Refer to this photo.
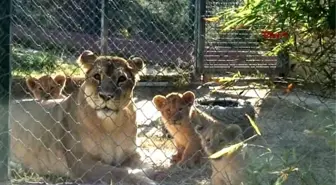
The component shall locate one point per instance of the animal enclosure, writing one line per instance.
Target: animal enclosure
(78, 81)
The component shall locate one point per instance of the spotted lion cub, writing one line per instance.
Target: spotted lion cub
(45, 87)
(174, 109)
(226, 170)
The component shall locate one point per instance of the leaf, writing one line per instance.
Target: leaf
(254, 125)
(289, 88)
(213, 19)
(281, 179)
(227, 151)
(226, 79)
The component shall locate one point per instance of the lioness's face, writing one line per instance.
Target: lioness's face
(109, 83)
(45, 87)
(175, 107)
(215, 137)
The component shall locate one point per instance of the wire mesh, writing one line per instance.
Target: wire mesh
(71, 122)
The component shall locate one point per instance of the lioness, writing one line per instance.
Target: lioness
(226, 170)
(45, 87)
(89, 136)
(175, 108)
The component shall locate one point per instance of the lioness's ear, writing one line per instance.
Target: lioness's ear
(60, 80)
(189, 97)
(136, 64)
(31, 83)
(86, 60)
(159, 101)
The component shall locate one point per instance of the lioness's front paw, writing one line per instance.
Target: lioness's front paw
(138, 180)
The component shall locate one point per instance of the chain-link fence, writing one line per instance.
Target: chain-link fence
(140, 116)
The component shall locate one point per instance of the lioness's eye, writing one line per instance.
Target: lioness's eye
(97, 77)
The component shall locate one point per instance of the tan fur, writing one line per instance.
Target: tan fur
(89, 136)
(174, 110)
(45, 87)
(226, 170)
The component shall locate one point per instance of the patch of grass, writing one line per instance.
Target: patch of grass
(20, 175)
(36, 63)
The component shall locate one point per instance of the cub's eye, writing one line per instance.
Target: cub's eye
(199, 128)
(180, 108)
(97, 77)
(208, 140)
(40, 88)
(122, 79)
(168, 111)
(221, 140)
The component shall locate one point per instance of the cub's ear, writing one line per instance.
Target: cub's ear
(136, 63)
(31, 83)
(199, 128)
(86, 60)
(234, 132)
(159, 101)
(189, 98)
(60, 80)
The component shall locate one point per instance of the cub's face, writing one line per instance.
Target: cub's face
(109, 82)
(214, 137)
(45, 87)
(175, 107)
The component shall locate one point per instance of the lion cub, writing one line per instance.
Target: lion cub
(226, 170)
(174, 109)
(45, 87)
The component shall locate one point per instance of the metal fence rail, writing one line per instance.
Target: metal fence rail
(5, 81)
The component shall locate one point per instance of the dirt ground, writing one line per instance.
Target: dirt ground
(284, 122)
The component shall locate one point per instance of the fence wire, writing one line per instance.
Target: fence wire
(139, 116)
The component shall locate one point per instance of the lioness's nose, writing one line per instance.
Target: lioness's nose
(105, 96)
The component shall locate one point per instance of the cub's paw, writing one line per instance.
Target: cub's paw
(186, 164)
(138, 180)
(159, 176)
(175, 159)
(156, 175)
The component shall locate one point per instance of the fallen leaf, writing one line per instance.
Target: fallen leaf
(227, 151)
(289, 88)
(254, 125)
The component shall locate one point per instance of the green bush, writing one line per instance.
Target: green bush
(23, 61)
(309, 28)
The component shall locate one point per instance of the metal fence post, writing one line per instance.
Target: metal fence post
(200, 6)
(192, 20)
(5, 77)
(283, 63)
(104, 28)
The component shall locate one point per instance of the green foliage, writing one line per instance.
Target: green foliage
(33, 61)
(150, 19)
(309, 24)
